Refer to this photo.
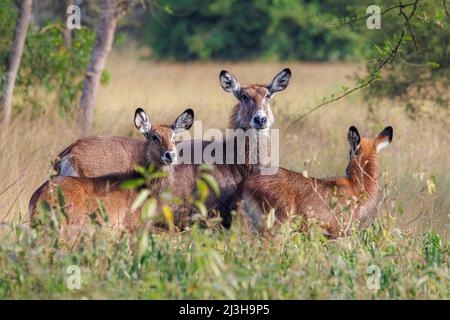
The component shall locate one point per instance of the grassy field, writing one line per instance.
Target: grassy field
(408, 244)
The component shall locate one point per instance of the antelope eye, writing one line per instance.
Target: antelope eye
(245, 98)
(155, 137)
(268, 96)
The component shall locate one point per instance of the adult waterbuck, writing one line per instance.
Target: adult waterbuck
(252, 114)
(335, 202)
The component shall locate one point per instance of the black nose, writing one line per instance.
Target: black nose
(263, 121)
(170, 156)
(260, 121)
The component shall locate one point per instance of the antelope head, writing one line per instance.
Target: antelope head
(253, 110)
(161, 138)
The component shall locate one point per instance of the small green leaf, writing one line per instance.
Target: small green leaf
(132, 183)
(206, 167)
(60, 197)
(141, 170)
(168, 215)
(333, 202)
(431, 184)
(201, 208)
(203, 190)
(408, 37)
(141, 197)
(431, 248)
(270, 219)
(44, 207)
(142, 243)
(149, 209)
(212, 183)
(157, 175)
(102, 211)
(168, 10)
(434, 65)
(105, 77)
(377, 47)
(439, 15)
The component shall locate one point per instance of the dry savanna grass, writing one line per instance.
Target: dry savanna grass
(316, 144)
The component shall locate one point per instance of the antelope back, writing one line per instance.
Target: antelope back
(105, 155)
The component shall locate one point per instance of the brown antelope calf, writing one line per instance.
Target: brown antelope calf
(82, 194)
(335, 202)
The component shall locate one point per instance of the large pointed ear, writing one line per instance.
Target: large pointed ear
(280, 82)
(142, 122)
(353, 139)
(184, 121)
(384, 138)
(229, 83)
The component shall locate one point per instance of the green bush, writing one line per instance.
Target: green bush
(233, 30)
(47, 66)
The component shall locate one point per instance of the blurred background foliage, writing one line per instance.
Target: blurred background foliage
(311, 30)
(234, 30)
(47, 65)
(420, 71)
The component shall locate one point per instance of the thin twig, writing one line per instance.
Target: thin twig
(12, 205)
(408, 25)
(444, 2)
(9, 186)
(366, 83)
(417, 65)
(373, 75)
(368, 15)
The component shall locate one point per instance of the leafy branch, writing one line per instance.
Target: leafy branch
(375, 74)
(356, 19)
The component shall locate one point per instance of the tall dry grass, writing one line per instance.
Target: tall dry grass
(318, 144)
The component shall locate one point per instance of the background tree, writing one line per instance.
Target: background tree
(236, 30)
(67, 32)
(15, 56)
(420, 68)
(113, 10)
(49, 75)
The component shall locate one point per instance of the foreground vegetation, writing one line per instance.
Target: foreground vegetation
(234, 264)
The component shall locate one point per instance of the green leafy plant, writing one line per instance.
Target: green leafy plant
(50, 73)
(50, 66)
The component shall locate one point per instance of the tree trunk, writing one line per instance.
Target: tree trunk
(114, 9)
(67, 32)
(15, 56)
